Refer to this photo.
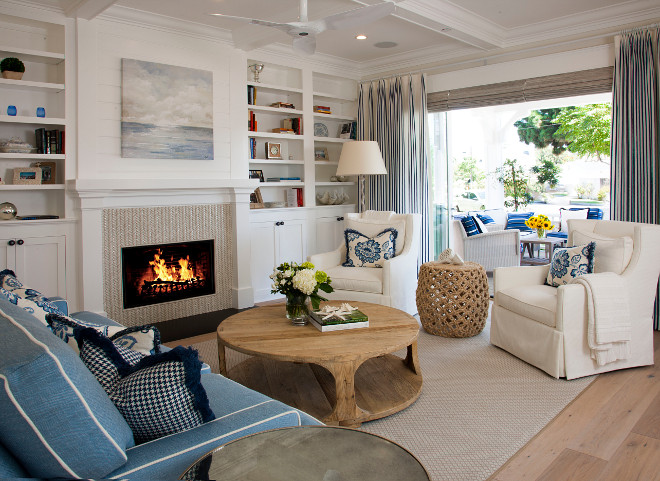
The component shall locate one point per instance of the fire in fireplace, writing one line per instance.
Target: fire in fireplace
(167, 272)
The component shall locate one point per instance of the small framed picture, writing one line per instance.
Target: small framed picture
(257, 174)
(48, 172)
(321, 153)
(27, 175)
(273, 150)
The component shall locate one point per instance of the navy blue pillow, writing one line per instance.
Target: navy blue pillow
(517, 221)
(470, 225)
(486, 219)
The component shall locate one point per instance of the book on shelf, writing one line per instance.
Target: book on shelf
(280, 130)
(282, 105)
(355, 320)
(291, 198)
(252, 121)
(253, 148)
(37, 217)
(299, 196)
(322, 109)
(296, 125)
(252, 95)
(290, 179)
(272, 179)
(49, 141)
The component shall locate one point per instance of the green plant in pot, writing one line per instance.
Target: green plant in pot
(12, 68)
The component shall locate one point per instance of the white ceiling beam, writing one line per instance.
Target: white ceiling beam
(88, 9)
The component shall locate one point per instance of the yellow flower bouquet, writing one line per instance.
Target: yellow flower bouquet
(540, 223)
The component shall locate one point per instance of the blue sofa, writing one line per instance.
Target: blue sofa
(56, 421)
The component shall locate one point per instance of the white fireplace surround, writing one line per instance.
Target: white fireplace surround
(95, 195)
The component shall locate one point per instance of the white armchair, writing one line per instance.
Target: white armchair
(500, 248)
(547, 326)
(392, 285)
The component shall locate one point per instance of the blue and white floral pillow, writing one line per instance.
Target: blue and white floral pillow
(570, 262)
(142, 339)
(38, 306)
(364, 251)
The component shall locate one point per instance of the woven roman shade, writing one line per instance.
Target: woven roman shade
(570, 84)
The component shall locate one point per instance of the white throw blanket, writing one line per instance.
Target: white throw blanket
(608, 325)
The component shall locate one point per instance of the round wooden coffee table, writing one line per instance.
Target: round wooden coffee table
(342, 377)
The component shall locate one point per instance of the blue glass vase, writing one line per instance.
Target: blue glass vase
(41, 112)
(11, 110)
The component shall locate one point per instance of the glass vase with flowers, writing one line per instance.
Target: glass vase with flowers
(540, 223)
(300, 282)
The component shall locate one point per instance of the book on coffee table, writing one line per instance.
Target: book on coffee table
(354, 320)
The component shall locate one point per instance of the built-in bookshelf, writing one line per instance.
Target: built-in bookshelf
(39, 105)
(304, 157)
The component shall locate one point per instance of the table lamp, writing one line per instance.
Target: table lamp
(361, 157)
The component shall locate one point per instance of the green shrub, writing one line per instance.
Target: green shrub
(12, 64)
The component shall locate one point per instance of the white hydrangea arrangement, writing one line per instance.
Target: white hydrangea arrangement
(292, 279)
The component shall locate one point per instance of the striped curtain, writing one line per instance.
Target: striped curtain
(635, 188)
(393, 112)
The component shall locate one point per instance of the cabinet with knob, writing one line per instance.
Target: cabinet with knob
(276, 236)
(39, 262)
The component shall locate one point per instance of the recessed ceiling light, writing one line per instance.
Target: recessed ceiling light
(361, 37)
(385, 44)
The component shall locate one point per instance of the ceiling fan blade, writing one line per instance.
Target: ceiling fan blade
(282, 26)
(305, 45)
(359, 16)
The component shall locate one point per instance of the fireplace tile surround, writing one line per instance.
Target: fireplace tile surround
(120, 213)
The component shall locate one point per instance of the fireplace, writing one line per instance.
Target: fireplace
(167, 272)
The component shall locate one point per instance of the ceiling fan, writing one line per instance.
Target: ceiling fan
(304, 31)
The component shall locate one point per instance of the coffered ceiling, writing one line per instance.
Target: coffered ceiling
(419, 32)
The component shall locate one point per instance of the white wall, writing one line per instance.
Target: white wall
(551, 64)
(101, 46)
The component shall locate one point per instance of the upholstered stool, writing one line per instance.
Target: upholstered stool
(452, 300)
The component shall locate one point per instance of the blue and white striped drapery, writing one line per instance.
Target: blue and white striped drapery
(635, 172)
(393, 112)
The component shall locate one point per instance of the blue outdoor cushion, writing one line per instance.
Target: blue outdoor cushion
(486, 219)
(470, 225)
(516, 220)
(55, 418)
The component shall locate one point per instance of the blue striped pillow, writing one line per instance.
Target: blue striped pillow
(486, 219)
(470, 226)
(517, 221)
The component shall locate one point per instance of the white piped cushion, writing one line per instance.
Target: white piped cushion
(361, 279)
(612, 254)
(538, 302)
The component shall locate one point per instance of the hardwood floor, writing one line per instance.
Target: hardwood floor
(610, 432)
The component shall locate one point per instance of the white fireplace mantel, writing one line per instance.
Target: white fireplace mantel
(97, 194)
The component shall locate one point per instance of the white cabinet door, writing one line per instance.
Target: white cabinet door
(272, 243)
(329, 233)
(39, 262)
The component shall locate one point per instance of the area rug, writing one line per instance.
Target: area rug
(479, 405)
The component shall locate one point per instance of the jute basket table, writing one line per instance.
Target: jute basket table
(452, 300)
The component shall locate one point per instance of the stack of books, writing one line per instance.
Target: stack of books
(322, 109)
(294, 197)
(280, 130)
(252, 122)
(253, 148)
(282, 105)
(252, 95)
(354, 320)
(49, 141)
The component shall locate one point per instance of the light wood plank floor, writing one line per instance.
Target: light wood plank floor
(610, 432)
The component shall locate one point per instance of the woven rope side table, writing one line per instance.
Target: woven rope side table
(452, 300)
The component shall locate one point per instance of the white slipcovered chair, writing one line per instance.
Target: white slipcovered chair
(498, 248)
(392, 285)
(547, 326)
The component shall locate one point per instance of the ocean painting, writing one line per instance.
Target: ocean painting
(166, 111)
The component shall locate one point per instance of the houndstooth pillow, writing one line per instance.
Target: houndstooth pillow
(143, 339)
(158, 395)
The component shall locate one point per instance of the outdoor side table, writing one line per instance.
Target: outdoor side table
(452, 300)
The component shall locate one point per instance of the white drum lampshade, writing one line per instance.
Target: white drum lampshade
(361, 157)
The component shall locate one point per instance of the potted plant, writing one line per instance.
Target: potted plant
(12, 68)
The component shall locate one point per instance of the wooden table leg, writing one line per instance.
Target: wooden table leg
(411, 359)
(345, 411)
(222, 360)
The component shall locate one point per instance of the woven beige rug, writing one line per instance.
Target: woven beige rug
(478, 406)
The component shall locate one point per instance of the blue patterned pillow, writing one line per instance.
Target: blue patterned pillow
(363, 251)
(157, 395)
(39, 307)
(470, 225)
(570, 262)
(516, 220)
(8, 280)
(142, 339)
(486, 219)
